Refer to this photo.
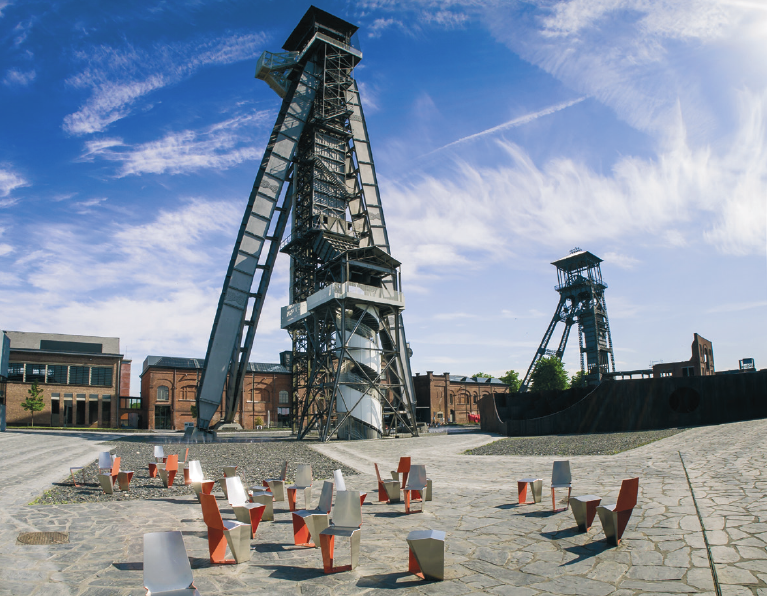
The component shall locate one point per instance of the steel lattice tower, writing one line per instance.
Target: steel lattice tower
(582, 301)
(351, 363)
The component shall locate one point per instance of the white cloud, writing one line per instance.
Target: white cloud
(220, 146)
(3, 5)
(480, 215)
(119, 77)
(737, 307)
(10, 180)
(378, 26)
(17, 78)
(620, 260)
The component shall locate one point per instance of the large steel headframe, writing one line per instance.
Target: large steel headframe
(351, 363)
(582, 301)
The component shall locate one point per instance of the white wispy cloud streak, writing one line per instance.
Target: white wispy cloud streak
(18, 78)
(119, 77)
(10, 180)
(220, 146)
(513, 123)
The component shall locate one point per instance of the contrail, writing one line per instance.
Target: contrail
(512, 123)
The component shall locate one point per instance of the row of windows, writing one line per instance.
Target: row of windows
(461, 398)
(60, 374)
(163, 394)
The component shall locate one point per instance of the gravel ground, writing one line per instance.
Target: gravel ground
(597, 444)
(254, 461)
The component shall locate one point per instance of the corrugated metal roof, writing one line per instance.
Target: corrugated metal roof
(199, 363)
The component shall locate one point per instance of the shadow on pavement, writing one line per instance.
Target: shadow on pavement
(388, 581)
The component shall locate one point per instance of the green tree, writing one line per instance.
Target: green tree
(482, 375)
(549, 374)
(578, 380)
(194, 410)
(511, 378)
(34, 403)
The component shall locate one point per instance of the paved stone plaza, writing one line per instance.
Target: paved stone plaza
(494, 546)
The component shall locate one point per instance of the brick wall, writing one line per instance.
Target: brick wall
(453, 400)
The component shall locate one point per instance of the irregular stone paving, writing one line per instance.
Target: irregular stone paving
(494, 545)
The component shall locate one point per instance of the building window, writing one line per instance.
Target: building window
(101, 376)
(284, 397)
(163, 393)
(35, 373)
(57, 373)
(78, 375)
(93, 409)
(16, 371)
(475, 398)
(451, 399)
(106, 410)
(188, 393)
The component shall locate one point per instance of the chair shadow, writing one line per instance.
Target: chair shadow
(175, 501)
(129, 566)
(389, 514)
(510, 506)
(293, 573)
(266, 547)
(547, 513)
(195, 533)
(200, 562)
(388, 581)
(586, 551)
(559, 534)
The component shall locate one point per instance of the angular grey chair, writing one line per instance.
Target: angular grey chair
(229, 472)
(307, 525)
(561, 478)
(244, 510)
(416, 482)
(259, 494)
(159, 453)
(105, 461)
(347, 518)
(166, 565)
(338, 478)
(584, 509)
(199, 483)
(277, 485)
(536, 486)
(304, 483)
(427, 554)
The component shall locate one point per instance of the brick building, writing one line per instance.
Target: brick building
(169, 386)
(701, 363)
(81, 378)
(451, 398)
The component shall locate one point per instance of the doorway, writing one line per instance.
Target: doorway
(162, 418)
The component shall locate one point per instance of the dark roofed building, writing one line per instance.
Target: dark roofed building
(169, 387)
(451, 398)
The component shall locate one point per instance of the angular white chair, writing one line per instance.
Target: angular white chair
(223, 532)
(561, 478)
(303, 483)
(168, 470)
(199, 483)
(536, 486)
(229, 472)
(159, 458)
(107, 480)
(167, 571)
(338, 478)
(388, 490)
(427, 554)
(347, 518)
(277, 485)
(416, 482)
(244, 510)
(614, 518)
(105, 461)
(307, 525)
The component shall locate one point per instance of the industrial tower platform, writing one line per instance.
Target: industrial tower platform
(350, 359)
(581, 300)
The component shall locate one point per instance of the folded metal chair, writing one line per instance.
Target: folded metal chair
(303, 482)
(259, 494)
(223, 532)
(244, 510)
(229, 472)
(168, 470)
(107, 481)
(536, 486)
(347, 518)
(427, 554)
(123, 479)
(277, 485)
(404, 469)
(561, 478)
(584, 509)
(159, 458)
(388, 490)
(416, 484)
(183, 467)
(338, 477)
(199, 483)
(166, 565)
(105, 462)
(614, 518)
(307, 525)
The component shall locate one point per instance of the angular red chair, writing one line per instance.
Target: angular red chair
(303, 483)
(415, 488)
(347, 519)
(404, 469)
(223, 532)
(168, 470)
(276, 486)
(244, 510)
(307, 525)
(389, 488)
(561, 478)
(614, 518)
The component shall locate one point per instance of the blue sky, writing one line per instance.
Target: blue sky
(505, 133)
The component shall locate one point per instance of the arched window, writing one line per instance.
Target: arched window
(451, 399)
(163, 393)
(475, 398)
